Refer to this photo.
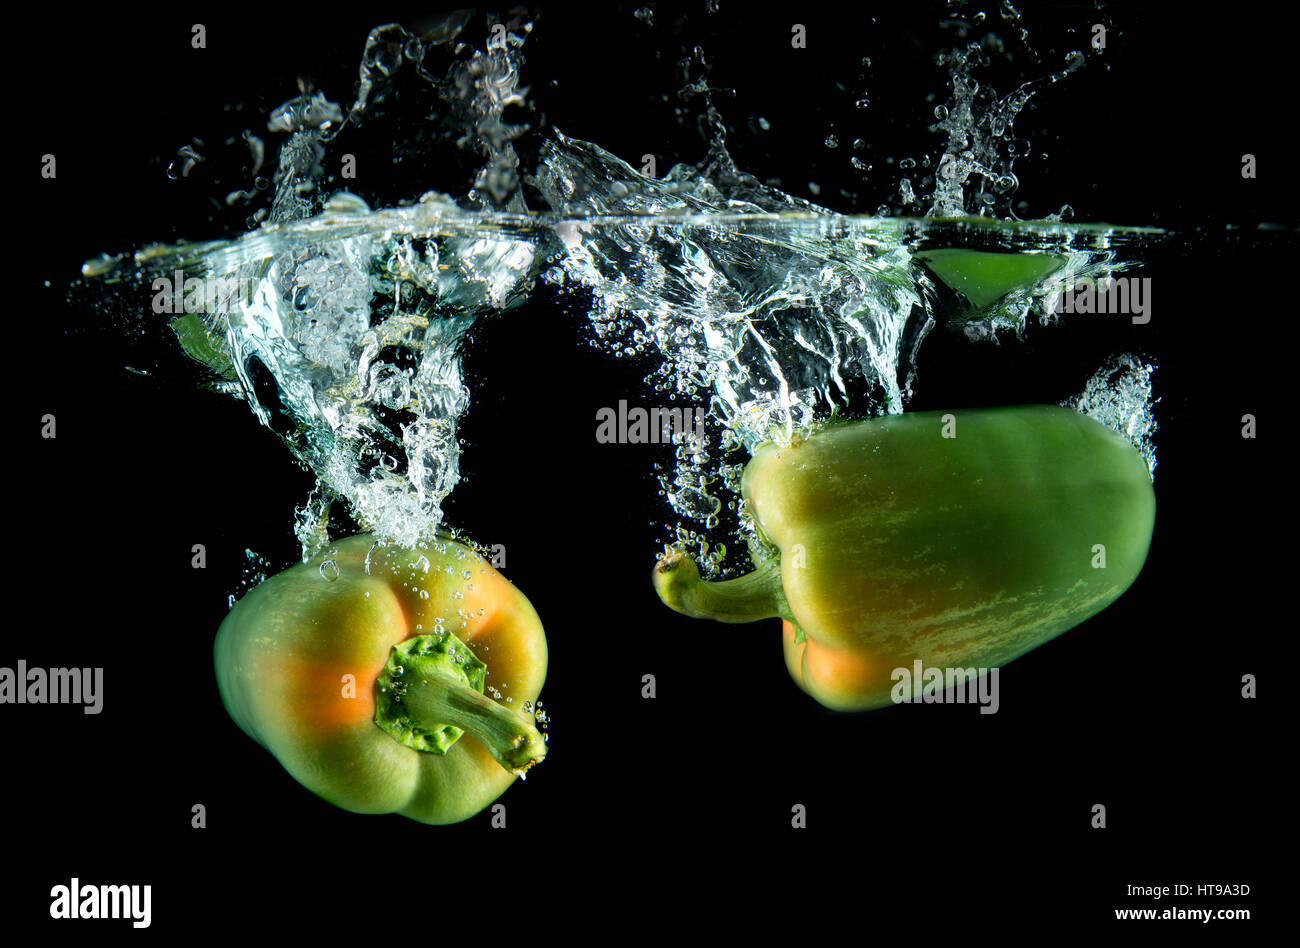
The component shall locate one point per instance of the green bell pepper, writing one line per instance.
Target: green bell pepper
(961, 539)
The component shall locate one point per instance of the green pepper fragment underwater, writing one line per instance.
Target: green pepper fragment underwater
(363, 671)
(962, 539)
(984, 277)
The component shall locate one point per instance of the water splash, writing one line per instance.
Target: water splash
(342, 326)
(1119, 395)
(975, 174)
(772, 311)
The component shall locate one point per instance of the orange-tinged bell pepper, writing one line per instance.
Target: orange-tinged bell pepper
(389, 680)
(960, 539)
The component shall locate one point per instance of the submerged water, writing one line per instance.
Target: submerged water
(343, 326)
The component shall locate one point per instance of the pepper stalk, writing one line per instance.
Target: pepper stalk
(748, 598)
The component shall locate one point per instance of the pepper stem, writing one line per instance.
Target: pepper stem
(748, 598)
(510, 738)
(431, 691)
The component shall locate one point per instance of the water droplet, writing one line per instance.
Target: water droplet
(329, 570)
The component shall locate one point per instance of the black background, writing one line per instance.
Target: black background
(648, 812)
